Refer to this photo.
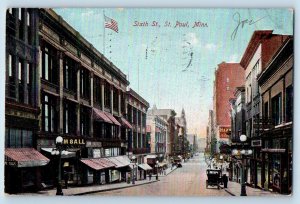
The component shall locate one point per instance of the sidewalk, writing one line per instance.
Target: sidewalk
(168, 171)
(100, 188)
(234, 189)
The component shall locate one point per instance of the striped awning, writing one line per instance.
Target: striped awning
(101, 116)
(24, 157)
(125, 123)
(120, 161)
(112, 118)
(145, 167)
(98, 164)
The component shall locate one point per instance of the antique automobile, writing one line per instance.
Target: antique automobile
(213, 177)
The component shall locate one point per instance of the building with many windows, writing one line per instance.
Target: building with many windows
(58, 84)
(138, 142)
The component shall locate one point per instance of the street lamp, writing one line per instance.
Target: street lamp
(243, 152)
(156, 169)
(58, 150)
(133, 168)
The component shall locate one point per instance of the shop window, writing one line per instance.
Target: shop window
(116, 100)
(18, 138)
(276, 109)
(289, 104)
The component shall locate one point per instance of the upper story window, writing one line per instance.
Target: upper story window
(97, 91)
(107, 97)
(289, 104)
(70, 77)
(49, 113)
(10, 10)
(116, 100)
(277, 109)
(20, 14)
(18, 138)
(84, 83)
(49, 70)
(84, 121)
(70, 118)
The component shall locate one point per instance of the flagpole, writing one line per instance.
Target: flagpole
(103, 32)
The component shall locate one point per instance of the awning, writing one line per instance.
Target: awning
(273, 150)
(100, 115)
(98, 164)
(68, 153)
(119, 161)
(24, 157)
(125, 123)
(112, 118)
(151, 156)
(145, 167)
(162, 164)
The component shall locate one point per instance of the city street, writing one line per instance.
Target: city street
(186, 181)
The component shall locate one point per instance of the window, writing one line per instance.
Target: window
(28, 18)
(84, 83)
(289, 104)
(10, 10)
(20, 14)
(17, 138)
(97, 91)
(276, 109)
(69, 118)
(266, 110)
(227, 79)
(9, 65)
(116, 100)
(49, 115)
(70, 77)
(107, 94)
(84, 121)
(49, 64)
(227, 88)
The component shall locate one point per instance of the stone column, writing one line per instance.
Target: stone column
(141, 129)
(16, 15)
(112, 99)
(119, 102)
(25, 66)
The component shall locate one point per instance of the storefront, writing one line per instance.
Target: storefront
(23, 165)
(277, 163)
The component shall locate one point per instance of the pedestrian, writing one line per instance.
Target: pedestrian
(150, 175)
(66, 178)
(225, 180)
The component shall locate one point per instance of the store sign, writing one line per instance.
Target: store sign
(96, 153)
(111, 144)
(69, 141)
(256, 143)
(223, 132)
(11, 163)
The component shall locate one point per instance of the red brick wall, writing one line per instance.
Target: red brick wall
(235, 74)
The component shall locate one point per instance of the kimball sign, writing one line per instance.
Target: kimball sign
(69, 141)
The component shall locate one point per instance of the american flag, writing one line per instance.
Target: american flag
(111, 24)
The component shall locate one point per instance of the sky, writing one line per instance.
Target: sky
(173, 66)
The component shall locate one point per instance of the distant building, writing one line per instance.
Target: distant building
(228, 76)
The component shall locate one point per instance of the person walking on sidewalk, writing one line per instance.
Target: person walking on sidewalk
(225, 180)
(150, 175)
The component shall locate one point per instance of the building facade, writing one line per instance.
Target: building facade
(228, 76)
(138, 142)
(276, 131)
(58, 84)
(259, 52)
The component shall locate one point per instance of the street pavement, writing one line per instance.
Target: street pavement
(186, 181)
(190, 180)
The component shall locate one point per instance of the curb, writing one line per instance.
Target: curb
(169, 172)
(229, 192)
(111, 189)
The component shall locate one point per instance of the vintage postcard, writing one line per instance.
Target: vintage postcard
(149, 101)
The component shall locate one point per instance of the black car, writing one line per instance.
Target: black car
(179, 165)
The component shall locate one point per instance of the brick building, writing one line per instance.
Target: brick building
(228, 76)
